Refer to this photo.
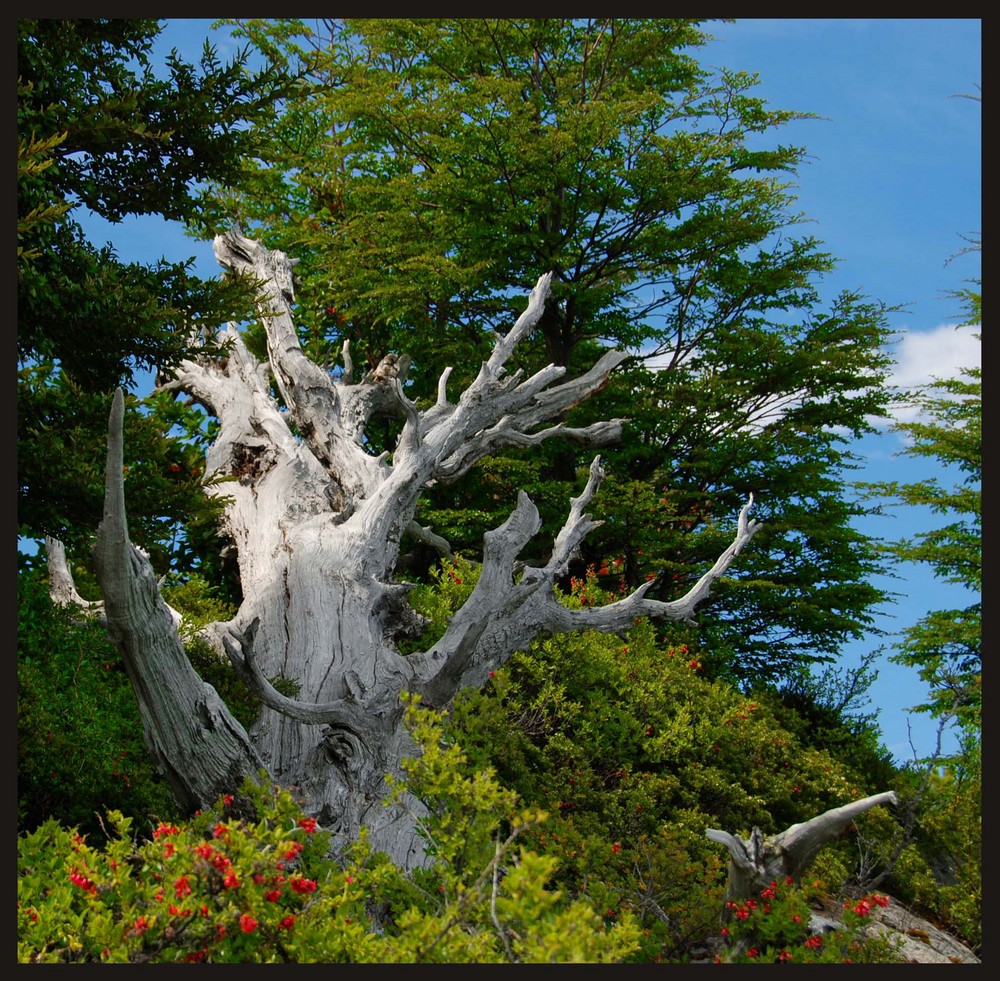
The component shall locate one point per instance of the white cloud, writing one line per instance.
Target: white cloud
(923, 355)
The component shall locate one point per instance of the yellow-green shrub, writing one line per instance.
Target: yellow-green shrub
(220, 889)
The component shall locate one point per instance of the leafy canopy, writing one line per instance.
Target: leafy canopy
(427, 170)
(100, 129)
(946, 645)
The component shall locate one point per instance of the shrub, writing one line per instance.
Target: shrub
(775, 928)
(221, 889)
(625, 742)
(79, 735)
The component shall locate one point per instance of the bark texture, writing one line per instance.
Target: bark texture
(755, 862)
(192, 736)
(316, 520)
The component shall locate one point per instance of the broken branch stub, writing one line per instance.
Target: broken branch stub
(755, 861)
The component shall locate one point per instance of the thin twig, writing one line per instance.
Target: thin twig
(501, 932)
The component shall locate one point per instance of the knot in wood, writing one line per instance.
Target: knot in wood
(343, 748)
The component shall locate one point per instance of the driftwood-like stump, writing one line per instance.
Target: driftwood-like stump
(755, 862)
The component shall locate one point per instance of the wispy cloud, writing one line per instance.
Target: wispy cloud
(923, 356)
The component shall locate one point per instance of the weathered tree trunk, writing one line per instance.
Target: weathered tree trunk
(317, 521)
(755, 863)
(194, 740)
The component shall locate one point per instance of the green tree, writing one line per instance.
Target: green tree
(937, 863)
(946, 645)
(430, 168)
(100, 129)
(79, 743)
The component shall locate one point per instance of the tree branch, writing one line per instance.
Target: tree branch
(62, 588)
(523, 326)
(505, 613)
(503, 435)
(428, 537)
(496, 410)
(619, 616)
(196, 742)
(451, 663)
(578, 524)
(310, 393)
(338, 712)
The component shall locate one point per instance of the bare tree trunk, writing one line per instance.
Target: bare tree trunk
(192, 736)
(317, 521)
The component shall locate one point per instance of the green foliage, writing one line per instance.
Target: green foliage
(634, 753)
(915, 879)
(80, 746)
(825, 709)
(33, 157)
(463, 809)
(716, 426)
(945, 646)
(551, 136)
(598, 149)
(217, 889)
(952, 835)
(99, 127)
(429, 170)
(939, 868)
(118, 139)
(464, 513)
(197, 600)
(775, 929)
(199, 604)
(62, 449)
(450, 585)
(579, 782)
(596, 701)
(221, 889)
(80, 743)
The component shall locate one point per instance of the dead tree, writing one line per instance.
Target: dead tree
(316, 520)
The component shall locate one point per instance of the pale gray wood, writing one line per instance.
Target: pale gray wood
(316, 520)
(194, 739)
(756, 861)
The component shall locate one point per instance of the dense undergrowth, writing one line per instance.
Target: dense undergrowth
(569, 800)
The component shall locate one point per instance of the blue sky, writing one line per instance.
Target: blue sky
(891, 184)
(893, 181)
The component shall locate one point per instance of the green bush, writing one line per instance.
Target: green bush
(219, 889)
(593, 763)
(199, 604)
(79, 735)
(950, 839)
(80, 745)
(774, 927)
(635, 754)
